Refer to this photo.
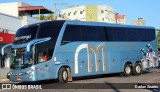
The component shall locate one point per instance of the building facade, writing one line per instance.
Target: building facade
(97, 13)
(120, 18)
(139, 22)
(11, 8)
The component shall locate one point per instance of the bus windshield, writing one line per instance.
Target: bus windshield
(21, 59)
(25, 34)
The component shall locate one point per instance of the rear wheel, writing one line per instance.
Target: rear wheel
(137, 70)
(63, 75)
(127, 70)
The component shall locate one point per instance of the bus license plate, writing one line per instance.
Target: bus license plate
(19, 79)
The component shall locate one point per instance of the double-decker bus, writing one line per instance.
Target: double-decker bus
(65, 49)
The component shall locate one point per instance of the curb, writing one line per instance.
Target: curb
(3, 80)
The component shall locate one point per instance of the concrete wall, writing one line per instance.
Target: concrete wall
(10, 23)
(29, 20)
(73, 13)
(91, 13)
(106, 14)
(9, 8)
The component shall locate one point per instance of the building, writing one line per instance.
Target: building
(120, 18)
(13, 16)
(98, 13)
(90, 13)
(22, 9)
(139, 22)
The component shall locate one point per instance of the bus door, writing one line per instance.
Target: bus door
(41, 60)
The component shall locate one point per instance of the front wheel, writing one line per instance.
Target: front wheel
(127, 70)
(63, 75)
(137, 70)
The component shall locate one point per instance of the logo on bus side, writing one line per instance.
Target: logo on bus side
(96, 54)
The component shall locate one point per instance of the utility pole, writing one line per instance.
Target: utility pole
(55, 9)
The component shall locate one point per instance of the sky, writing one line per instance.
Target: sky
(147, 9)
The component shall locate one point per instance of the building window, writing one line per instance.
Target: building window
(81, 12)
(69, 14)
(75, 12)
(102, 11)
(102, 19)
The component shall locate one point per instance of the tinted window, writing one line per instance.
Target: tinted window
(44, 51)
(150, 34)
(72, 33)
(130, 34)
(103, 36)
(25, 34)
(89, 33)
(133, 34)
(49, 30)
(117, 34)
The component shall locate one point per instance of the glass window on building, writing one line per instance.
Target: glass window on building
(102, 11)
(81, 12)
(75, 12)
(102, 19)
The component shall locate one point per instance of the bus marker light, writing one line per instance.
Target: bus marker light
(54, 58)
(57, 63)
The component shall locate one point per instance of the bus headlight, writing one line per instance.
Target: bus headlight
(30, 76)
(29, 71)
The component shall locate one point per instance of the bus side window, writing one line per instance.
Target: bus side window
(42, 57)
(72, 33)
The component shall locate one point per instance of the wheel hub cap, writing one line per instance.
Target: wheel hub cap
(128, 70)
(65, 75)
(138, 69)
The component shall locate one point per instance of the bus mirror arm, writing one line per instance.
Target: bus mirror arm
(37, 42)
(2, 49)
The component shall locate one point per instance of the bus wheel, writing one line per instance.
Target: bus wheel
(63, 75)
(127, 70)
(137, 70)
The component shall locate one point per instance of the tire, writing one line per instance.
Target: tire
(127, 70)
(63, 75)
(137, 70)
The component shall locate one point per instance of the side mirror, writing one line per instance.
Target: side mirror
(2, 49)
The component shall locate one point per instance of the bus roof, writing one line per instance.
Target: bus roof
(104, 24)
(77, 22)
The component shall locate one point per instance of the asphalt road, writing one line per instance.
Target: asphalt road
(104, 83)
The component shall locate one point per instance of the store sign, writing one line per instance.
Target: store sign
(1, 39)
(6, 38)
(120, 16)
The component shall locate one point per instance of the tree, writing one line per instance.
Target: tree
(42, 17)
(50, 17)
(158, 37)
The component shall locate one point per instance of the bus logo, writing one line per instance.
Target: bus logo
(96, 51)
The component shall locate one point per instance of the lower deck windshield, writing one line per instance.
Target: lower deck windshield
(21, 59)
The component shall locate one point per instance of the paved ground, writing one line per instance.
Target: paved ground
(152, 76)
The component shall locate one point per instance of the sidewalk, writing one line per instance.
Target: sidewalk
(4, 80)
